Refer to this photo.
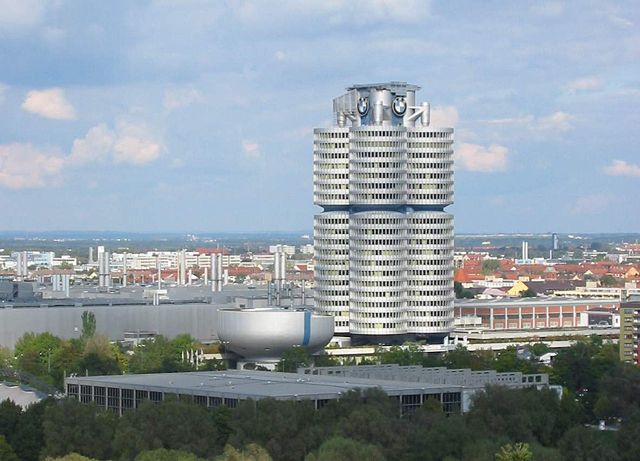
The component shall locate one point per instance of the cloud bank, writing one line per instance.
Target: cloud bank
(24, 166)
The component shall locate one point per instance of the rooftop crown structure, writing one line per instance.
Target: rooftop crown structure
(383, 243)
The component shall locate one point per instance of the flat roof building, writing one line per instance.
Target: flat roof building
(529, 313)
(409, 387)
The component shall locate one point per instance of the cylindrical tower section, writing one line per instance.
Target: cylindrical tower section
(430, 293)
(377, 166)
(216, 272)
(331, 248)
(429, 167)
(331, 166)
(377, 273)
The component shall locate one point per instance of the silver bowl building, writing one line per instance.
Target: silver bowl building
(264, 334)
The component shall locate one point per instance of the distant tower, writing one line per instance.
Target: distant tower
(182, 267)
(555, 242)
(124, 270)
(22, 265)
(383, 242)
(104, 270)
(525, 251)
(279, 268)
(91, 255)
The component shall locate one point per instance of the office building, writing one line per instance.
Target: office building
(383, 242)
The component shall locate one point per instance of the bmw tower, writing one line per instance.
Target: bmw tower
(383, 242)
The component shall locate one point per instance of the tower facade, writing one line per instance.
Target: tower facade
(383, 242)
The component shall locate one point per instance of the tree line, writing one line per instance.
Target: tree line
(503, 423)
(512, 423)
(48, 358)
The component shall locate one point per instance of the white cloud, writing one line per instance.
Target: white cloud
(251, 149)
(474, 157)
(522, 120)
(17, 14)
(179, 97)
(444, 116)
(49, 103)
(583, 84)
(557, 121)
(622, 168)
(280, 55)
(127, 143)
(338, 12)
(23, 166)
(135, 144)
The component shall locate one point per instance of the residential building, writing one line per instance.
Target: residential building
(630, 332)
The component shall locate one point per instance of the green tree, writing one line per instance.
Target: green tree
(157, 355)
(344, 449)
(70, 426)
(608, 280)
(462, 292)
(515, 452)
(162, 454)
(71, 457)
(65, 360)
(10, 413)
(323, 359)
(88, 325)
(489, 266)
(408, 354)
(540, 349)
(628, 441)
(618, 390)
(251, 452)
(173, 425)
(28, 438)
(293, 359)
(460, 357)
(6, 452)
(445, 439)
(283, 428)
(528, 293)
(526, 415)
(6, 358)
(34, 353)
(583, 444)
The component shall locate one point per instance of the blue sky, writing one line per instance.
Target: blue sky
(194, 116)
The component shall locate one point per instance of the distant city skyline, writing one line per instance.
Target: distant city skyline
(197, 117)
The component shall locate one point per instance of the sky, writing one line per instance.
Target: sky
(198, 116)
